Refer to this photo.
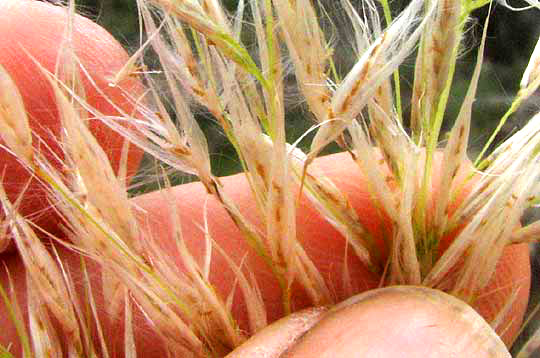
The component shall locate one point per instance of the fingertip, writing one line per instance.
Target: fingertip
(400, 321)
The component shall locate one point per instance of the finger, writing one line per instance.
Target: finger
(321, 241)
(148, 342)
(30, 32)
(390, 322)
(324, 245)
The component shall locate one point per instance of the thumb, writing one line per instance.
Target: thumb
(398, 321)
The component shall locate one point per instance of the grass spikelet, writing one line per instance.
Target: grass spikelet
(45, 275)
(195, 76)
(387, 132)
(14, 127)
(144, 282)
(175, 333)
(80, 306)
(244, 122)
(501, 194)
(311, 279)
(436, 56)
(94, 171)
(434, 70)
(67, 62)
(94, 233)
(397, 205)
(45, 341)
(375, 173)
(456, 149)
(280, 213)
(405, 265)
(208, 19)
(206, 295)
(337, 210)
(369, 72)
(385, 125)
(152, 282)
(254, 304)
(309, 51)
(520, 148)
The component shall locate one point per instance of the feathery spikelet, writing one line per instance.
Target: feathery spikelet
(46, 278)
(455, 152)
(370, 71)
(336, 208)
(44, 338)
(438, 49)
(14, 127)
(308, 50)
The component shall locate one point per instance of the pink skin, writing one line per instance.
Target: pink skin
(322, 243)
(410, 322)
(32, 30)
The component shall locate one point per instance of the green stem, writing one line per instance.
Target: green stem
(433, 136)
(19, 326)
(515, 104)
(397, 86)
(273, 59)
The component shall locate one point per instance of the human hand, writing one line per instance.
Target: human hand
(323, 244)
(392, 324)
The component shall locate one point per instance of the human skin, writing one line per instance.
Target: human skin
(33, 31)
(322, 243)
(395, 321)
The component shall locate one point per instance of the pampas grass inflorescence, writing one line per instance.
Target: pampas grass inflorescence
(205, 62)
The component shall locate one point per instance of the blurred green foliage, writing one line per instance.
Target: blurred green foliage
(117, 16)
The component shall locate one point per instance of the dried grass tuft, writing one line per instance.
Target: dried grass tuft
(204, 62)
